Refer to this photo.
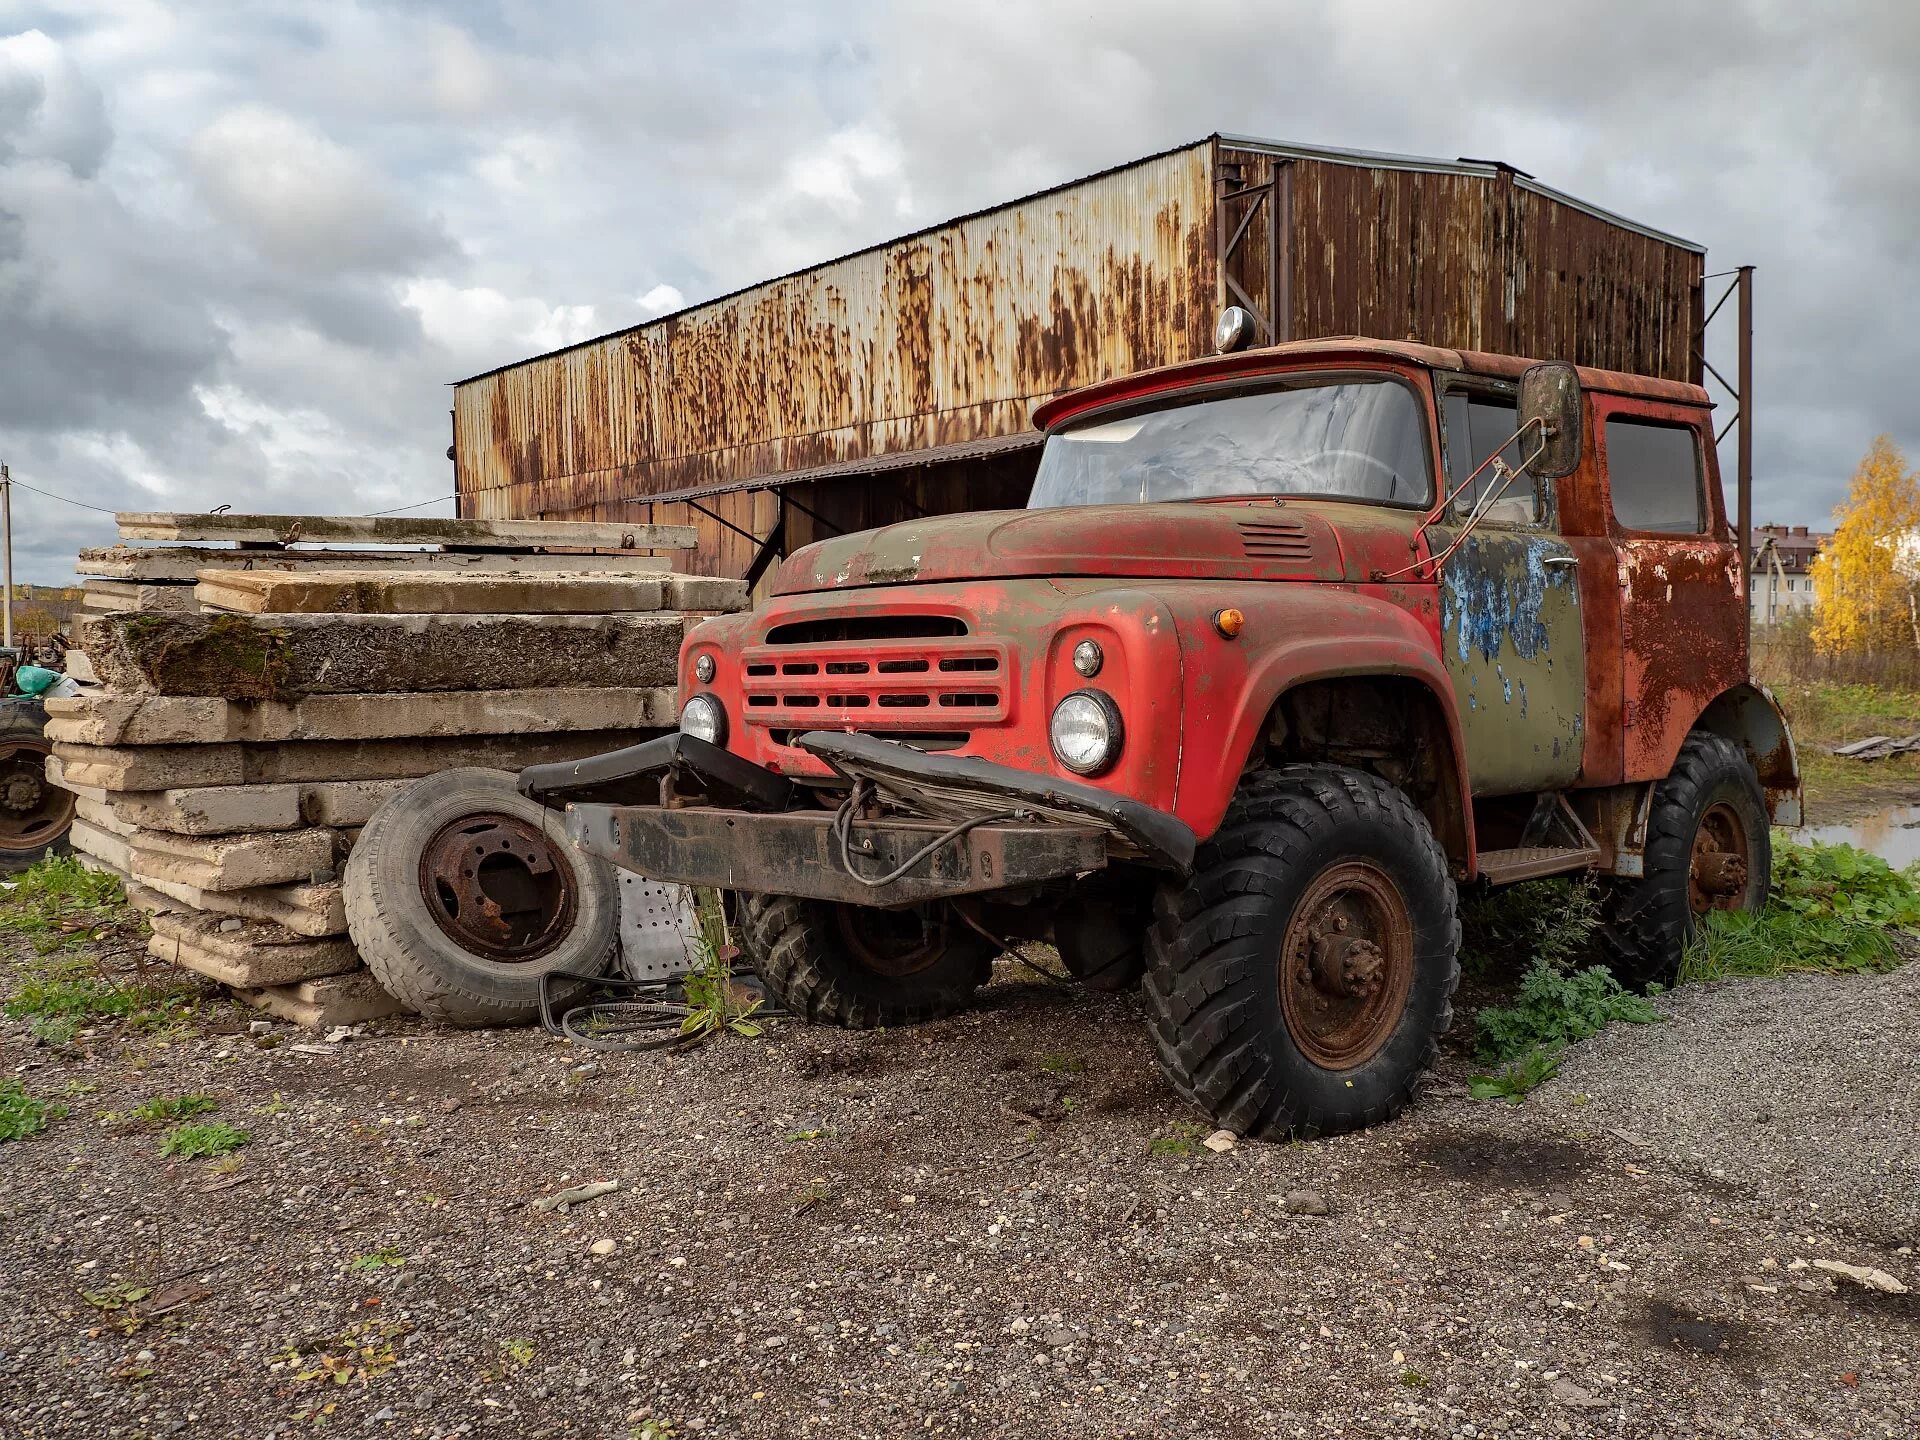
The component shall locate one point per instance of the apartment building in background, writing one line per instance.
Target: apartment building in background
(1775, 593)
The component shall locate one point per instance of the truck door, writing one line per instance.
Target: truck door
(1683, 620)
(1509, 610)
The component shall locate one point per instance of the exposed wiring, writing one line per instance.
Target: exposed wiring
(842, 830)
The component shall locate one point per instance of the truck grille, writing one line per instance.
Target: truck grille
(852, 685)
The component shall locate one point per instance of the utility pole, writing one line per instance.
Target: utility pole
(6, 542)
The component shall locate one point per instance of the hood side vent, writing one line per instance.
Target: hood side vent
(1277, 539)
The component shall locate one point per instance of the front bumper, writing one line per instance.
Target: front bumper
(679, 809)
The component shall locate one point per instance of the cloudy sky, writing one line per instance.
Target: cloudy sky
(245, 244)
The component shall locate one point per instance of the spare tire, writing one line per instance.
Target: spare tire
(461, 894)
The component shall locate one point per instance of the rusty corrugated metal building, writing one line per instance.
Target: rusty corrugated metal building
(898, 381)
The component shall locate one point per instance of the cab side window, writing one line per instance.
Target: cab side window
(1654, 472)
(1478, 427)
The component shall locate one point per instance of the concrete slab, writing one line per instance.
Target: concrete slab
(111, 850)
(403, 530)
(706, 592)
(335, 1000)
(175, 599)
(80, 668)
(180, 719)
(185, 562)
(231, 862)
(285, 657)
(209, 810)
(242, 958)
(152, 767)
(359, 592)
(318, 760)
(315, 910)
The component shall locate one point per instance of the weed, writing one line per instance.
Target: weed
(198, 1139)
(810, 1196)
(1063, 1064)
(714, 1002)
(59, 902)
(1831, 908)
(359, 1354)
(1536, 1067)
(387, 1257)
(163, 1108)
(116, 1302)
(1183, 1138)
(274, 1107)
(795, 1137)
(59, 996)
(22, 1114)
(1413, 1379)
(1549, 922)
(1553, 1007)
(54, 1030)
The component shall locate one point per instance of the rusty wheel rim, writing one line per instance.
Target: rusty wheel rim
(1717, 873)
(892, 943)
(34, 812)
(1346, 965)
(498, 888)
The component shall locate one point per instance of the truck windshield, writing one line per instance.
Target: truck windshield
(1360, 439)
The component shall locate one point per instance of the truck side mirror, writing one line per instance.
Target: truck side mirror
(1550, 397)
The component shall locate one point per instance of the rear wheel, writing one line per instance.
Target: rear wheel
(1708, 848)
(861, 967)
(1299, 983)
(35, 814)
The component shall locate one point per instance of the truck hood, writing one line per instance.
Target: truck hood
(1259, 540)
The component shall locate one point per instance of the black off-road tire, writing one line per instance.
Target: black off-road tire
(1100, 930)
(1646, 923)
(799, 949)
(1215, 967)
(414, 958)
(24, 718)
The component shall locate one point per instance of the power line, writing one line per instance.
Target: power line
(64, 499)
(417, 505)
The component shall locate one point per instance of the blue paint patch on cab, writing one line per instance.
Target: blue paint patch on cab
(1487, 600)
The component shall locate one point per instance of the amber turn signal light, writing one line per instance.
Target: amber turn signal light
(1229, 622)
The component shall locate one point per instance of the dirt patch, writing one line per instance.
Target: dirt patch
(1477, 1157)
(1677, 1327)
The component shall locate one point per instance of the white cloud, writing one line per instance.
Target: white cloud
(481, 327)
(49, 110)
(662, 299)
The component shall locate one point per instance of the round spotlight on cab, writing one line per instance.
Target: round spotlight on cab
(702, 718)
(1088, 657)
(1233, 329)
(1085, 731)
(703, 668)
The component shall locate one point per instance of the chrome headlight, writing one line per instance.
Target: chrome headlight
(703, 667)
(1085, 731)
(702, 718)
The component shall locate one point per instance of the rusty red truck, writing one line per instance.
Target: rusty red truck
(1288, 644)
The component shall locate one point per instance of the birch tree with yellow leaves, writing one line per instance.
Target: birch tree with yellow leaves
(1866, 577)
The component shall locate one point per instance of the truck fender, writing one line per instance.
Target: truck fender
(1750, 716)
(1297, 637)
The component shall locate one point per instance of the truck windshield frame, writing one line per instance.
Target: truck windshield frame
(1362, 436)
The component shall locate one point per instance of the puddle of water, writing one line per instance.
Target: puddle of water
(1893, 834)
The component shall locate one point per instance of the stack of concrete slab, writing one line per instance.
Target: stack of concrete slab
(254, 703)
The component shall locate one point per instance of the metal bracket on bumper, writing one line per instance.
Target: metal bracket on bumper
(678, 809)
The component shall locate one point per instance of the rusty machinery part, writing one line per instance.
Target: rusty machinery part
(499, 886)
(860, 967)
(1708, 848)
(462, 894)
(1346, 964)
(35, 814)
(1299, 984)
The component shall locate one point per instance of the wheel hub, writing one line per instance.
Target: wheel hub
(23, 791)
(498, 887)
(33, 813)
(1717, 875)
(1346, 964)
(892, 943)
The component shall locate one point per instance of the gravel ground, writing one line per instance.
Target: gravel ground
(969, 1229)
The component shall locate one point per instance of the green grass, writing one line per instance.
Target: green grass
(59, 903)
(387, 1257)
(201, 1139)
(22, 1114)
(1183, 1140)
(164, 1108)
(1832, 908)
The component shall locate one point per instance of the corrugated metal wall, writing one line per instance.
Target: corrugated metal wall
(948, 335)
(955, 333)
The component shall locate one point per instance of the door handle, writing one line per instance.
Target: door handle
(1561, 560)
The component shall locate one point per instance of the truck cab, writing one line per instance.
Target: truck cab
(1287, 644)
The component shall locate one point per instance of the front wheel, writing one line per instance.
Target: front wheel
(1708, 848)
(1298, 984)
(859, 967)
